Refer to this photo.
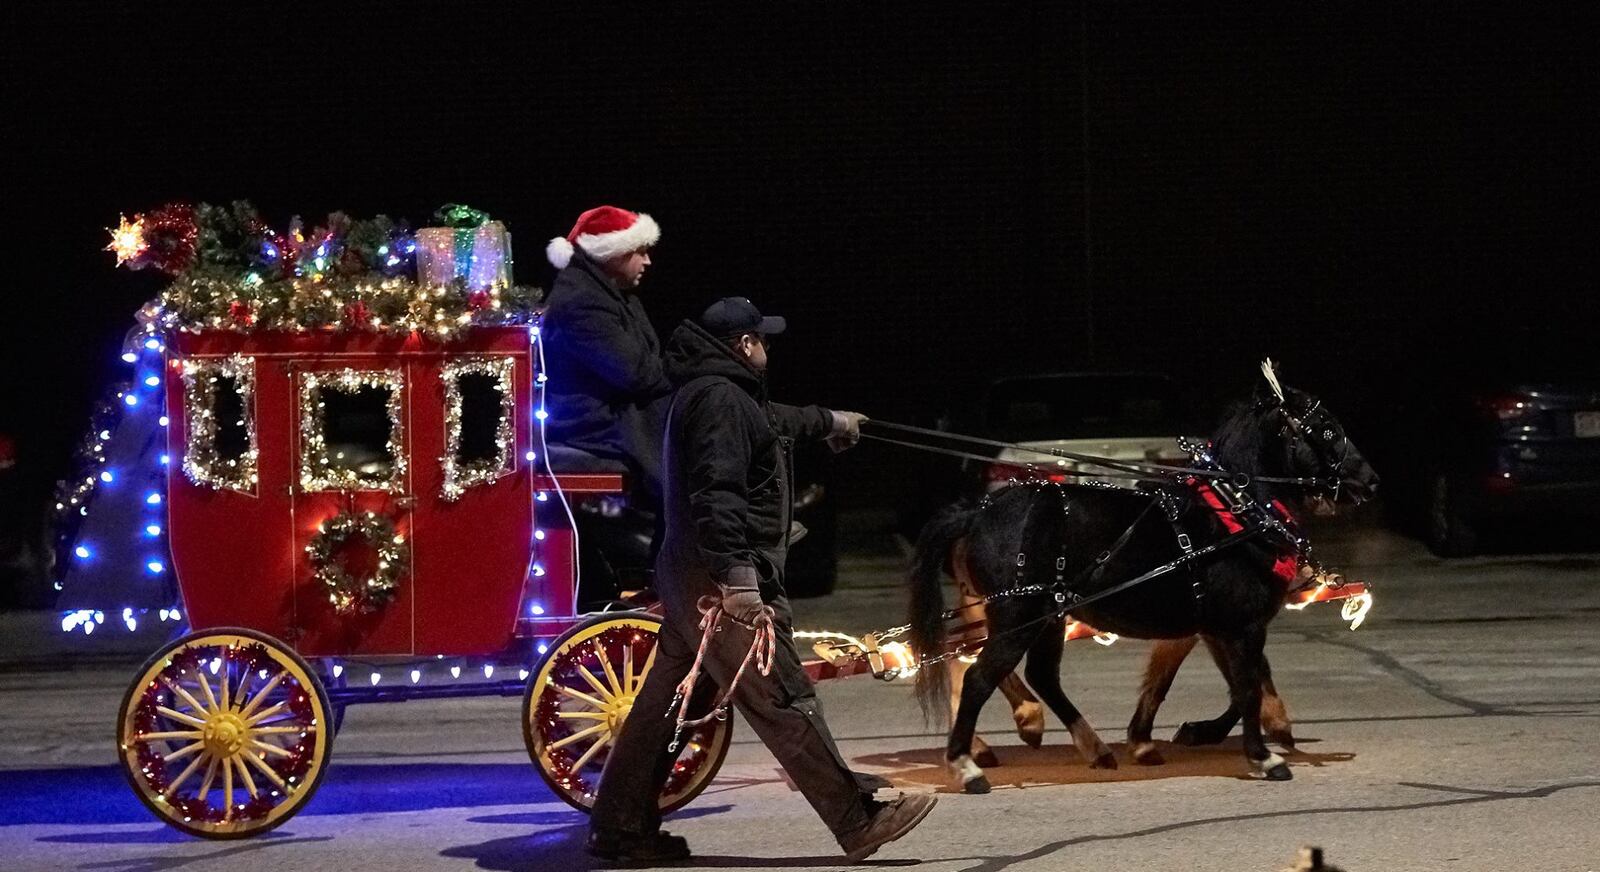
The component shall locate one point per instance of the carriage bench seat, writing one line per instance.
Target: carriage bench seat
(579, 472)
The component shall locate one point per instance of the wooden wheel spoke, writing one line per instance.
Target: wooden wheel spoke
(276, 731)
(223, 680)
(577, 695)
(227, 790)
(266, 713)
(187, 697)
(579, 735)
(180, 717)
(168, 736)
(611, 674)
(582, 716)
(244, 775)
(211, 776)
(260, 695)
(244, 681)
(589, 754)
(205, 687)
(649, 661)
(183, 752)
(172, 786)
(255, 760)
(269, 748)
(594, 682)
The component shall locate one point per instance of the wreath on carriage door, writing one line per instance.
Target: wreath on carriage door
(356, 588)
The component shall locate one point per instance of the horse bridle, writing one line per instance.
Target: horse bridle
(1298, 432)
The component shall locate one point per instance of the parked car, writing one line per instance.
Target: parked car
(1118, 415)
(1470, 458)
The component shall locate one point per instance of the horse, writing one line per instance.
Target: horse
(1224, 588)
(1161, 666)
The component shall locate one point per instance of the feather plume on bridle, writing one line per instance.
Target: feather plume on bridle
(1270, 371)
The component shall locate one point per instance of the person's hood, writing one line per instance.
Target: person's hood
(692, 352)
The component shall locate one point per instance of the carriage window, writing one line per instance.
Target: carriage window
(351, 431)
(219, 405)
(480, 424)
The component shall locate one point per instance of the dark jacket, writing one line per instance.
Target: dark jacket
(726, 456)
(604, 364)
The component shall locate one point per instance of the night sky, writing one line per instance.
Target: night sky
(932, 198)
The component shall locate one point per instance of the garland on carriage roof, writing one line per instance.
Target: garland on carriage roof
(232, 271)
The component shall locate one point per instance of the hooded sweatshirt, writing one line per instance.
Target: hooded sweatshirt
(727, 456)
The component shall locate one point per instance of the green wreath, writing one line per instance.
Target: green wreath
(348, 593)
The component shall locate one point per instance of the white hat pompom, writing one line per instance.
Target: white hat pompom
(559, 251)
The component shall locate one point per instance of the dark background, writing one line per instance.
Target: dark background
(934, 198)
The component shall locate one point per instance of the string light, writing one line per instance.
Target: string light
(127, 239)
(460, 475)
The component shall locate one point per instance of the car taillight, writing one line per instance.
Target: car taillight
(1506, 407)
(1000, 473)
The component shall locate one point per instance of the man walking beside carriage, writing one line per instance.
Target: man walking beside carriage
(727, 507)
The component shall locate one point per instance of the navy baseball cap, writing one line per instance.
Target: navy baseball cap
(734, 316)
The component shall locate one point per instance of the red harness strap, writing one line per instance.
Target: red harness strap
(1288, 562)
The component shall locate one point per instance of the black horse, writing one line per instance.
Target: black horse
(1079, 540)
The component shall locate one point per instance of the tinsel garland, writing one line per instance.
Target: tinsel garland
(200, 459)
(74, 492)
(368, 303)
(347, 593)
(234, 272)
(318, 471)
(459, 475)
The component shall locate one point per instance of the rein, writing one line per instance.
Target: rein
(762, 650)
(1126, 468)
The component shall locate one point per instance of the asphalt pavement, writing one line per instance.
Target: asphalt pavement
(1459, 729)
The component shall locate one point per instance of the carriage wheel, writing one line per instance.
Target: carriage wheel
(579, 698)
(224, 734)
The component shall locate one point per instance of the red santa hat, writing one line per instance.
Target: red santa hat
(604, 232)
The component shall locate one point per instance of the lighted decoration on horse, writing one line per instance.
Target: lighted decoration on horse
(1215, 554)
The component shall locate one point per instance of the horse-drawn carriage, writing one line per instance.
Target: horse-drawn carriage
(361, 507)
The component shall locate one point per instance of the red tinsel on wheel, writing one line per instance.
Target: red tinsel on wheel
(170, 236)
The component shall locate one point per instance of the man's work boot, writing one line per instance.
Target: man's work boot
(891, 821)
(658, 847)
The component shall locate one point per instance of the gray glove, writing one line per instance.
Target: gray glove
(846, 430)
(741, 596)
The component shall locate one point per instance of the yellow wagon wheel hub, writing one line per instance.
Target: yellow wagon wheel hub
(225, 734)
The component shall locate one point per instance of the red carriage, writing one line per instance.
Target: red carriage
(339, 535)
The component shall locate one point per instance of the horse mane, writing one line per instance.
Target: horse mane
(1238, 439)
(1241, 445)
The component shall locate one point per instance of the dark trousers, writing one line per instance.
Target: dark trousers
(781, 707)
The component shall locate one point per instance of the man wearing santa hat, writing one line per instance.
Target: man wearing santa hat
(606, 393)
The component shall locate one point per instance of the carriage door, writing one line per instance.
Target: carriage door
(472, 549)
(353, 591)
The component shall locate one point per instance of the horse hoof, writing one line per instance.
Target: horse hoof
(1106, 760)
(1148, 757)
(1280, 772)
(1283, 738)
(977, 785)
(1033, 739)
(986, 759)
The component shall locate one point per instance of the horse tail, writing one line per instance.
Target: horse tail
(926, 618)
